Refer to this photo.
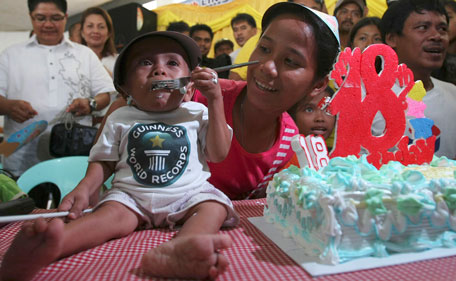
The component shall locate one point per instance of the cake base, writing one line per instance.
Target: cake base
(294, 250)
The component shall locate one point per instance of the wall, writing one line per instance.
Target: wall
(10, 37)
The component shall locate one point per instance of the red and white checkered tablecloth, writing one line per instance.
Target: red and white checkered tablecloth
(252, 257)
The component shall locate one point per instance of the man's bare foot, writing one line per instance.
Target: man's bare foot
(188, 257)
(37, 244)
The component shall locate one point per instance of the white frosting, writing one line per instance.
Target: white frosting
(350, 209)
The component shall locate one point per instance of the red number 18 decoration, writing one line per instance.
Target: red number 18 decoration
(363, 94)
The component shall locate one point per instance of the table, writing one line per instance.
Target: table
(252, 257)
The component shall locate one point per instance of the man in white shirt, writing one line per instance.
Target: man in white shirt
(420, 40)
(44, 77)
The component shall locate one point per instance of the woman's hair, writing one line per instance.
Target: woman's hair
(360, 24)
(326, 47)
(109, 47)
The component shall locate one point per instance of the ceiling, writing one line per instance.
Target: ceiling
(14, 13)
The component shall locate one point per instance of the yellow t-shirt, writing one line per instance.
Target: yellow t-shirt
(244, 55)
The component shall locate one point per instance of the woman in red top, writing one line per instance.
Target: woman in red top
(296, 51)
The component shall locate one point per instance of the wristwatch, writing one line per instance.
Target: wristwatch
(92, 104)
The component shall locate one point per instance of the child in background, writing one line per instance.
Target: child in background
(223, 46)
(158, 150)
(311, 120)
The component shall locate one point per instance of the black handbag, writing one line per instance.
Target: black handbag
(71, 139)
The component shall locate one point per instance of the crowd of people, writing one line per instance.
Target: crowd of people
(205, 125)
(46, 77)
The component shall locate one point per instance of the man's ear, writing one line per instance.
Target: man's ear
(319, 86)
(366, 11)
(390, 39)
(190, 91)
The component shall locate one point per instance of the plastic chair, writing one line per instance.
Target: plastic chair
(64, 172)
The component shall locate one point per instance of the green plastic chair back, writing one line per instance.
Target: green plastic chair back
(64, 172)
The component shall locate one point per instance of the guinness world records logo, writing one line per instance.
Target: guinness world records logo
(157, 153)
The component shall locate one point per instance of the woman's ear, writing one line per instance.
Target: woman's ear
(319, 86)
(190, 91)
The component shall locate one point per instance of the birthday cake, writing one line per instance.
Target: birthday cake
(397, 197)
(350, 209)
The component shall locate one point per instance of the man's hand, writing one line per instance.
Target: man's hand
(79, 107)
(20, 111)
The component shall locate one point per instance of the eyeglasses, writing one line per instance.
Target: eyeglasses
(39, 18)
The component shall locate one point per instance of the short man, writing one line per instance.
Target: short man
(45, 77)
(348, 13)
(418, 31)
(318, 5)
(244, 27)
(203, 35)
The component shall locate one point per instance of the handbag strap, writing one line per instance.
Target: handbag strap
(66, 118)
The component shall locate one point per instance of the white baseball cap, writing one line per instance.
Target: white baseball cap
(314, 15)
